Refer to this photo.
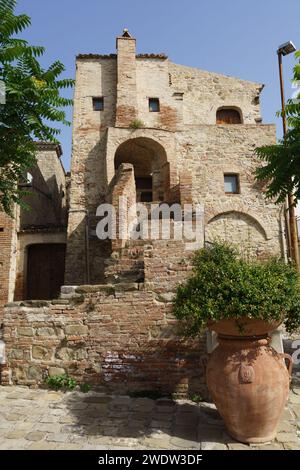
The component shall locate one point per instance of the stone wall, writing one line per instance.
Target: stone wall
(123, 337)
(47, 191)
(246, 218)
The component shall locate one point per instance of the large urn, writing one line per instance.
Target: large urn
(248, 380)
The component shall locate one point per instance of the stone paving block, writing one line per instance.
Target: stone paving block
(58, 437)
(100, 440)
(186, 432)
(6, 426)
(42, 445)
(49, 419)
(238, 446)
(163, 409)
(163, 425)
(68, 419)
(286, 426)
(287, 414)
(291, 446)
(143, 404)
(268, 446)
(24, 426)
(99, 399)
(161, 416)
(85, 421)
(48, 427)
(296, 389)
(184, 443)
(14, 444)
(95, 447)
(287, 437)
(211, 433)
(15, 434)
(296, 410)
(294, 398)
(35, 436)
(53, 396)
(74, 429)
(79, 440)
(155, 443)
(186, 419)
(77, 406)
(213, 446)
(14, 417)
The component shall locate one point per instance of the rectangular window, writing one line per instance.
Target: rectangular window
(231, 183)
(98, 103)
(154, 105)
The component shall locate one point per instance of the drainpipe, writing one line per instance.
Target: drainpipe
(87, 244)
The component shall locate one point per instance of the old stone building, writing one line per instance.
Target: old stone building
(33, 241)
(154, 132)
(181, 128)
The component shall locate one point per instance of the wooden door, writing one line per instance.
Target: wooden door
(45, 271)
(228, 116)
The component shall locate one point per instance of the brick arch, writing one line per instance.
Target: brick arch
(145, 145)
(161, 141)
(246, 216)
(151, 169)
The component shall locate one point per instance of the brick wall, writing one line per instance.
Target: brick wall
(126, 108)
(122, 337)
(124, 187)
(7, 242)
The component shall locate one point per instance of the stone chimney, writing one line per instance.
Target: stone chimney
(126, 110)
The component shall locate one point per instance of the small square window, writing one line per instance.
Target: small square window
(154, 105)
(98, 104)
(231, 184)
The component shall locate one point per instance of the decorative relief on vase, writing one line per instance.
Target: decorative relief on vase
(246, 374)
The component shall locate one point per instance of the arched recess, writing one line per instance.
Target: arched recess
(151, 168)
(229, 115)
(237, 228)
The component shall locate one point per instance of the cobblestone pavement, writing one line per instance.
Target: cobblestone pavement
(42, 419)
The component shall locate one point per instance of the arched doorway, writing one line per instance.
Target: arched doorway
(45, 270)
(151, 169)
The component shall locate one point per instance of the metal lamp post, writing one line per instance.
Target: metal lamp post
(283, 50)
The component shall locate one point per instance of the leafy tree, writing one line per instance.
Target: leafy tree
(282, 160)
(33, 103)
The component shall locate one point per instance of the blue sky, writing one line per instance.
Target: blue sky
(233, 37)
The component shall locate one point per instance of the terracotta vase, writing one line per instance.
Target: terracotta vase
(243, 326)
(249, 384)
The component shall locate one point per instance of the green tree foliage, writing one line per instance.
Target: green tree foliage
(33, 103)
(282, 160)
(224, 285)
